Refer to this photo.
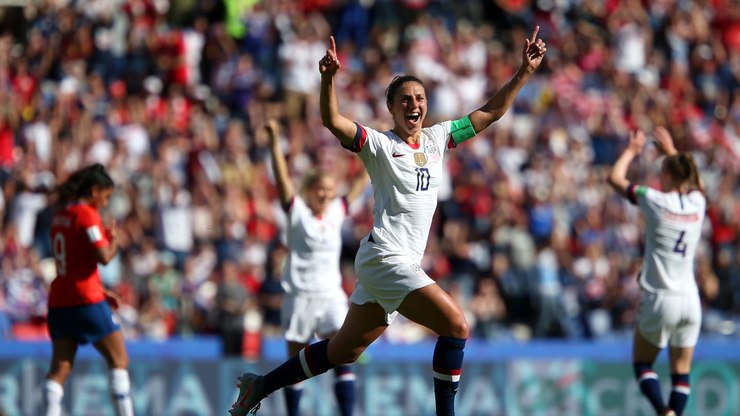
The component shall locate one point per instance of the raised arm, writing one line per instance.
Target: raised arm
(279, 166)
(618, 175)
(664, 141)
(532, 54)
(341, 127)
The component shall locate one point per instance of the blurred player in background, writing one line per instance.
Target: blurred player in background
(670, 309)
(405, 165)
(315, 303)
(79, 306)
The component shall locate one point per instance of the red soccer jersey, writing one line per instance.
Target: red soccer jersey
(76, 231)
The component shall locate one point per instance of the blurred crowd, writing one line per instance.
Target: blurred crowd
(171, 96)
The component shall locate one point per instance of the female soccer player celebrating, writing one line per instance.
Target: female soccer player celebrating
(405, 166)
(79, 311)
(315, 302)
(670, 309)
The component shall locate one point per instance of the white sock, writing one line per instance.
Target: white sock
(53, 393)
(120, 388)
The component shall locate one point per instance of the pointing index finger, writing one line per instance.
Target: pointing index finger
(534, 33)
(332, 44)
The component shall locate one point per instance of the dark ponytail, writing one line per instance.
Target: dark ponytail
(80, 184)
(682, 168)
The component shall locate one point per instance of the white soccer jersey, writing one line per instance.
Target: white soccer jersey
(314, 248)
(673, 228)
(405, 183)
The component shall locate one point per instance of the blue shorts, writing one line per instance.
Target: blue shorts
(85, 324)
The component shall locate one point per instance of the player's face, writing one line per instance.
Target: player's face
(101, 196)
(319, 196)
(409, 107)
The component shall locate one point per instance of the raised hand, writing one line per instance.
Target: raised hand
(329, 64)
(110, 228)
(664, 141)
(273, 130)
(534, 51)
(637, 141)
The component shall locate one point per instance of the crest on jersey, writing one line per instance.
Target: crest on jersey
(431, 147)
(420, 158)
(431, 150)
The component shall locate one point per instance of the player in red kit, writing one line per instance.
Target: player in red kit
(79, 305)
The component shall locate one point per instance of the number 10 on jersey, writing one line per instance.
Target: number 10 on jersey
(422, 179)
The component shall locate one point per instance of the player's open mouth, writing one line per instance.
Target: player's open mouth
(413, 117)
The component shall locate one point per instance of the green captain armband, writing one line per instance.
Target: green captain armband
(633, 191)
(462, 129)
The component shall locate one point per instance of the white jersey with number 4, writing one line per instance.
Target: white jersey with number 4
(314, 245)
(673, 228)
(405, 182)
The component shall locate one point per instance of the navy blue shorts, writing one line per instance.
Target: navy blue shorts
(85, 324)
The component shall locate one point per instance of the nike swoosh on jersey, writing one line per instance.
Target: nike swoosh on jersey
(398, 154)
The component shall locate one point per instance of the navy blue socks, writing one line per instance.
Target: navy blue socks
(649, 385)
(292, 398)
(344, 389)
(679, 393)
(447, 362)
(310, 361)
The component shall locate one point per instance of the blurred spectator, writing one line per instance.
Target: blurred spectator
(547, 292)
(175, 220)
(232, 302)
(271, 293)
(24, 287)
(24, 209)
(298, 60)
(153, 318)
(489, 310)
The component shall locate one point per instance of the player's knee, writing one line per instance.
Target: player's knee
(61, 370)
(681, 366)
(459, 328)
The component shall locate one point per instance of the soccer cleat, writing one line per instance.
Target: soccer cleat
(250, 394)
